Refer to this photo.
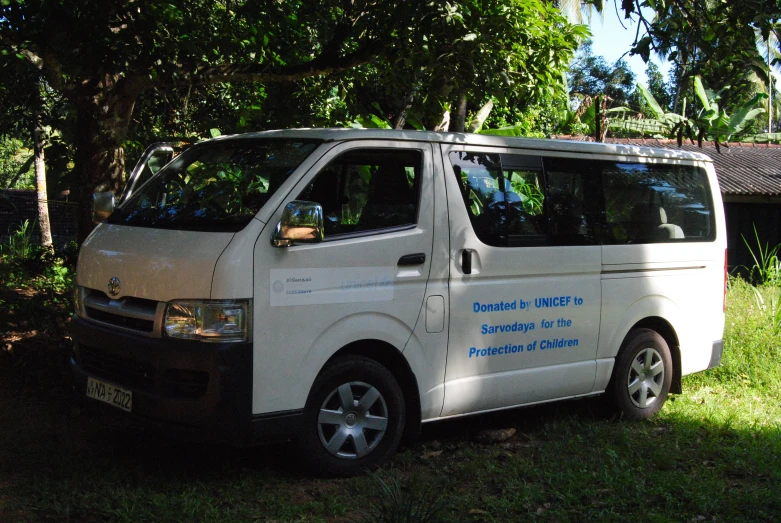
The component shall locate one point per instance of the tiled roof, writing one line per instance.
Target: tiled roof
(742, 168)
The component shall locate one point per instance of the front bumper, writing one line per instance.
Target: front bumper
(189, 387)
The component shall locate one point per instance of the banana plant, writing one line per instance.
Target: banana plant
(715, 122)
(711, 122)
(664, 123)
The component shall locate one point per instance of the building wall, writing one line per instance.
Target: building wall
(742, 217)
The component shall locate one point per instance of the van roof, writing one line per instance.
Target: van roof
(344, 134)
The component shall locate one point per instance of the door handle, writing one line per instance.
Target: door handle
(466, 261)
(413, 259)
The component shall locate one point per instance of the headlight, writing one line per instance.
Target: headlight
(209, 320)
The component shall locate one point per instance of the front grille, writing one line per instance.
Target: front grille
(120, 321)
(185, 383)
(123, 371)
(128, 312)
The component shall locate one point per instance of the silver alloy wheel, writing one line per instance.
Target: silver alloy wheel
(352, 420)
(646, 378)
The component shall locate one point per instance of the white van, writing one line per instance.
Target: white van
(341, 287)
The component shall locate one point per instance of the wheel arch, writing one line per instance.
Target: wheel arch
(655, 312)
(369, 334)
(392, 359)
(667, 331)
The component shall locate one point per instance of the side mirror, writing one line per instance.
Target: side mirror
(302, 222)
(103, 204)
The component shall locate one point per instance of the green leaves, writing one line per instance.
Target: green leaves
(479, 118)
(371, 121)
(643, 48)
(712, 122)
(512, 52)
(714, 39)
(705, 100)
(651, 101)
(505, 131)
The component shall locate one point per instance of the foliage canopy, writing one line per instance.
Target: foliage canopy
(103, 56)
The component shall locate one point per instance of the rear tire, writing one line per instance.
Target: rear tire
(354, 417)
(642, 375)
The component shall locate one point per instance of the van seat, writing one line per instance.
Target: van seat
(668, 231)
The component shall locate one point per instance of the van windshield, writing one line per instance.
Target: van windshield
(214, 186)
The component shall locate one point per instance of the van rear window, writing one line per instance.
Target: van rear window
(516, 200)
(655, 203)
(214, 186)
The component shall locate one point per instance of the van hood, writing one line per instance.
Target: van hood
(156, 264)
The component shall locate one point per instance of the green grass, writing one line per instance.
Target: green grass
(712, 454)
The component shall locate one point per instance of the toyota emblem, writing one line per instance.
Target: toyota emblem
(113, 286)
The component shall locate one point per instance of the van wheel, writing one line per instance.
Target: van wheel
(642, 376)
(354, 417)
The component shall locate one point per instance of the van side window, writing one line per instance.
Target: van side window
(574, 201)
(366, 190)
(504, 197)
(651, 203)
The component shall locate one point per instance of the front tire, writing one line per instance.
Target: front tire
(354, 417)
(642, 375)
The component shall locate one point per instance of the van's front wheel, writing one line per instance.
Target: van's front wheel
(642, 375)
(354, 417)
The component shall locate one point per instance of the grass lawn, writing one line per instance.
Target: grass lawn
(713, 453)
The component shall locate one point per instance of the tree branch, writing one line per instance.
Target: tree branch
(322, 65)
(43, 60)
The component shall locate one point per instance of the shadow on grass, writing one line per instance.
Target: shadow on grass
(568, 460)
(525, 419)
(571, 463)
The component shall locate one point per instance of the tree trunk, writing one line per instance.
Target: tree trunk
(40, 183)
(102, 123)
(100, 162)
(678, 81)
(680, 74)
(459, 118)
(400, 120)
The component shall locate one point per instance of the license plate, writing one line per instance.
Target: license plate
(110, 394)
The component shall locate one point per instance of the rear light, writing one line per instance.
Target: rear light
(724, 301)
